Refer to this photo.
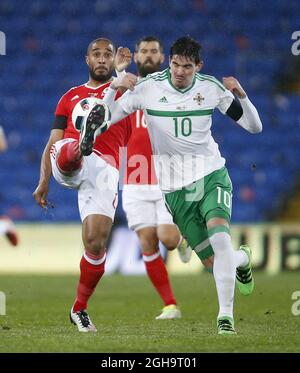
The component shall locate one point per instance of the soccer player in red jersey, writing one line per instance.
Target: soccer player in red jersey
(93, 171)
(142, 199)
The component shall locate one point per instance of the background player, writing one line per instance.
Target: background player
(7, 227)
(97, 199)
(178, 104)
(142, 199)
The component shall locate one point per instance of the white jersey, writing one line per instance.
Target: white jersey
(179, 123)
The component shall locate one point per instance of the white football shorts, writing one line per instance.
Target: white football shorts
(143, 211)
(96, 182)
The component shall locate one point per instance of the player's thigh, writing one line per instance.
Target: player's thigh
(186, 216)
(139, 213)
(98, 198)
(73, 181)
(217, 201)
(93, 202)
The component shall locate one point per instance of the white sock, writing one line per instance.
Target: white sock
(224, 271)
(241, 258)
(3, 227)
(179, 242)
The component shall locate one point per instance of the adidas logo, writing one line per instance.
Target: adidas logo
(163, 99)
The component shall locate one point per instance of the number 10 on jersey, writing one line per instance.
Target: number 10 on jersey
(183, 127)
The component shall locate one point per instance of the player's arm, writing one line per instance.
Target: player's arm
(117, 108)
(122, 60)
(57, 133)
(3, 142)
(242, 110)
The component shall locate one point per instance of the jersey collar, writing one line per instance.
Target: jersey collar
(177, 89)
(101, 85)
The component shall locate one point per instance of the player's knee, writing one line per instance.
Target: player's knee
(170, 242)
(95, 244)
(169, 237)
(149, 243)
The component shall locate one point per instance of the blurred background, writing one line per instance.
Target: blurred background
(46, 43)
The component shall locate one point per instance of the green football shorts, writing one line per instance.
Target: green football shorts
(192, 206)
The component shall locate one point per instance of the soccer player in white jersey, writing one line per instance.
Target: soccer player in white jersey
(142, 199)
(178, 104)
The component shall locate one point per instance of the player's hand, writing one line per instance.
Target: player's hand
(122, 59)
(128, 81)
(40, 195)
(234, 86)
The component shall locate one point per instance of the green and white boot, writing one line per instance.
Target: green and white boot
(225, 325)
(244, 277)
(184, 251)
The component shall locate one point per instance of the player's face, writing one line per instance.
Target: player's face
(183, 71)
(148, 58)
(100, 60)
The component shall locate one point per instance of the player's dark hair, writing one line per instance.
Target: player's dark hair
(148, 39)
(100, 39)
(187, 47)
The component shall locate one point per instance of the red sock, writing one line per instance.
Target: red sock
(69, 158)
(158, 275)
(91, 270)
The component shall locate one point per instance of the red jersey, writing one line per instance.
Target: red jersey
(140, 165)
(108, 143)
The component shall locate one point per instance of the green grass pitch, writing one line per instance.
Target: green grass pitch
(124, 308)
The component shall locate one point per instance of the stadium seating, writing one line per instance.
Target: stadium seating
(46, 43)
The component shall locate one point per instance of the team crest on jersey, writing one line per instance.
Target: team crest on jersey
(199, 98)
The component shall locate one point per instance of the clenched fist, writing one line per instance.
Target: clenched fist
(122, 59)
(234, 86)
